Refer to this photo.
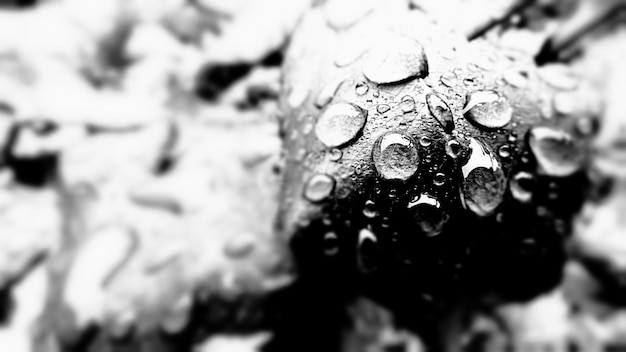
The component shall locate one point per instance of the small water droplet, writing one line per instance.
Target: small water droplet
(483, 180)
(564, 103)
(319, 187)
(516, 77)
(425, 141)
(504, 151)
(449, 79)
(369, 210)
(382, 108)
(395, 156)
(340, 123)
(367, 251)
(394, 59)
(335, 154)
(239, 246)
(586, 126)
(376, 94)
(453, 148)
(361, 88)
(407, 104)
(439, 179)
(559, 76)
(331, 244)
(522, 185)
(440, 111)
(488, 109)
(428, 214)
(556, 152)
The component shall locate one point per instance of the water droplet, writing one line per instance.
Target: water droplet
(556, 152)
(319, 187)
(559, 77)
(376, 94)
(504, 151)
(516, 77)
(425, 141)
(483, 180)
(335, 154)
(331, 244)
(407, 104)
(239, 246)
(564, 103)
(394, 59)
(327, 94)
(453, 148)
(395, 156)
(370, 209)
(382, 108)
(428, 214)
(522, 185)
(361, 88)
(586, 126)
(487, 109)
(449, 79)
(340, 123)
(439, 179)
(441, 111)
(367, 251)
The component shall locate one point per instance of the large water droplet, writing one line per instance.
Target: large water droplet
(483, 180)
(425, 141)
(441, 111)
(428, 214)
(407, 104)
(504, 151)
(522, 185)
(367, 251)
(395, 156)
(395, 59)
(439, 179)
(319, 187)
(556, 151)
(488, 109)
(340, 123)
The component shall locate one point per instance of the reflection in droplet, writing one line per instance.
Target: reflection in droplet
(440, 111)
(488, 109)
(340, 123)
(428, 214)
(522, 185)
(483, 180)
(395, 156)
(556, 152)
(367, 251)
(319, 187)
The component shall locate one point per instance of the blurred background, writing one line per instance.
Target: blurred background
(140, 162)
